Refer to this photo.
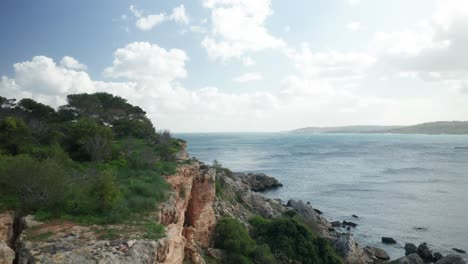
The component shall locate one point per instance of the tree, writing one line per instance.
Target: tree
(86, 140)
(15, 135)
(36, 110)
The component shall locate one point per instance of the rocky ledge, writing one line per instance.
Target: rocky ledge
(258, 182)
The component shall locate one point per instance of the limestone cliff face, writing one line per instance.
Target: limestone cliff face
(7, 255)
(188, 215)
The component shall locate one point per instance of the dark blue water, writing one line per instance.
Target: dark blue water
(394, 183)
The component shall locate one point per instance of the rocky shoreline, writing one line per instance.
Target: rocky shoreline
(201, 195)
(344, 241)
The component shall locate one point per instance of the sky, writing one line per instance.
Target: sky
(244, 65)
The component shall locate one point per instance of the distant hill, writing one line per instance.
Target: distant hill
(345, 129)
(433, 128)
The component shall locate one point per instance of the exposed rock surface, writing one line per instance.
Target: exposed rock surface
(7, 255)
(451, 259)
(7, 219)
(410, 248)
(425, 253)
(350, 249)
(410, 259)
(376, 253)
(258, 182)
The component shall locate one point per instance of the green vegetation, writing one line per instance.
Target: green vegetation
(293, 241)
(97, 159)
(283, 240)
(234, 237)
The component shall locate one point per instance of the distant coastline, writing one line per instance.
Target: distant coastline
(432, 128)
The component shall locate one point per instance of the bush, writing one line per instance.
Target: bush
(293, 241)
(31, 184)
(232, 236)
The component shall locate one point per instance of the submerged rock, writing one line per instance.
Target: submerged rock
(388, 240)
(349, 223)
(459, 250)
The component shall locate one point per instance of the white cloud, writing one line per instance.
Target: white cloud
(331, 65)
(238, 27)
(435, 49)
(353, 26)
(146, 23)
(149, 76)
(248, 77)
(145, 61)
(72, 63)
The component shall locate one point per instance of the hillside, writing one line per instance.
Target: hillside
(344, 129)
(432, 128)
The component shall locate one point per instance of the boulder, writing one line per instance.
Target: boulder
(258, 182)
(451, 259)
(377, 253)
(352, 253)
(437, 256)
(410, 248)
(425, 253)
(355, 216)
(410, 259)
(7, 255)
(388, 240)
(349, 223)
(317, 210)
(336, 223)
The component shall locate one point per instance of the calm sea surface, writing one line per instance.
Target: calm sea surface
(413, 188)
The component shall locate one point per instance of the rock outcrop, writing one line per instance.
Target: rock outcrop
(258, 182)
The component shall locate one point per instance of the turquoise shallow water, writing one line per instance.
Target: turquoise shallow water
(394, 183)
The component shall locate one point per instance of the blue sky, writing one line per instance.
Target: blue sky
(242, 65)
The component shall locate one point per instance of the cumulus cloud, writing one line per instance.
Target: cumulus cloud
(331, 65)
(238, 27)
(248, 77)
(143, 61)
(72, 63)
(145, 23)
(435, 49)
(150, 76)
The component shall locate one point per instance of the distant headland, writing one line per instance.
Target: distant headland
(431, 128)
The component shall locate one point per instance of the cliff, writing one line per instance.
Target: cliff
(201, 195)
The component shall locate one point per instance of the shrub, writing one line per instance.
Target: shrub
(293, 241)
(233, 236)
(32, 184)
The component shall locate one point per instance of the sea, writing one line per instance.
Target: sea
(413, 188)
